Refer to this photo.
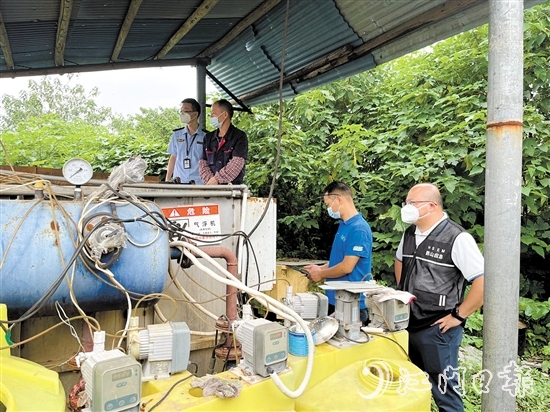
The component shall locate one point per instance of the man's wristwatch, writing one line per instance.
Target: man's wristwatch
(455, 314)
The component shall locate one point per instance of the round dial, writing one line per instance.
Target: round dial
(77, 171)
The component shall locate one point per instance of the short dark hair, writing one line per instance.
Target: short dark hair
(338, 188)
(226, 106)
(194, 105)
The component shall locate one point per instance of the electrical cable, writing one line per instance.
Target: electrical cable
(168, 392)
(392, 340)
(23, 342)
(190, 298)
(280, 131)
(49, 293)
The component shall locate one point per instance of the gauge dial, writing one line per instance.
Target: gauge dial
(77, 171)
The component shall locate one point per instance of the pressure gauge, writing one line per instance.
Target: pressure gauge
(77, 171)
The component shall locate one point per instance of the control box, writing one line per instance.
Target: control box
(391, 315)
(113, 381)
(265, 346)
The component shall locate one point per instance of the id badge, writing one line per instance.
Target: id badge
(187, 163)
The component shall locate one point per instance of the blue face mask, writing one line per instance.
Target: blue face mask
(215, 123)
(332, 213)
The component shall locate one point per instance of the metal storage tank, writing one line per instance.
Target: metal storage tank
(39, 238)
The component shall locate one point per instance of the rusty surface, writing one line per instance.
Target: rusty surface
(512, 124)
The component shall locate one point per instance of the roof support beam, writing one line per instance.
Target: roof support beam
(62, 30)
(240, 27)
(106, 66)
(125, 29)
(245, 108)
(201, 11)
(5, 44)
(346, 53)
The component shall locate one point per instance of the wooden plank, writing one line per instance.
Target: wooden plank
(201, 11)
(5, 45)
(125, 29)
(62, 30)
(48, 171)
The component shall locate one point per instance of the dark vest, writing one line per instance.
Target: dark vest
(220, 151)
(429, 273)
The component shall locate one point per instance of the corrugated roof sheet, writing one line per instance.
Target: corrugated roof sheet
(326, 39)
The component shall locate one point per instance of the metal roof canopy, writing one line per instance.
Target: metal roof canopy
(240, 41)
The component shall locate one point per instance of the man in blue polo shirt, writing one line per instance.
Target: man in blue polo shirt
(351, 253)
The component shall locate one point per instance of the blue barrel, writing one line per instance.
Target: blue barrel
(31, 260)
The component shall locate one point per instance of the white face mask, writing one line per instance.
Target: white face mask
(185, 117)
(411, 214)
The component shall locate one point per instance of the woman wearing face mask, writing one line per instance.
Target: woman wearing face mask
(351, 253)
(225, 149)
(185, 146)
(434, 261)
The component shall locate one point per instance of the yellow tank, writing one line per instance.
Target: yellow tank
(371, 376)
(25, 385)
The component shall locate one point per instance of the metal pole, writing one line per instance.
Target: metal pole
(201, 92)
(503, 204)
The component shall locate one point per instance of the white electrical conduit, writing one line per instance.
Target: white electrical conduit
(123, 290)
(240, 248)
(186, 294)
(273, 303)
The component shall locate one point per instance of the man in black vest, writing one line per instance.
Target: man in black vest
(225, 149)
(435, 261)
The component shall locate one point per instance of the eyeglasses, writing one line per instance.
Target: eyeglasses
(414, 202)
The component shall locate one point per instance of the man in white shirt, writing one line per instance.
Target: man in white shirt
(435, 261)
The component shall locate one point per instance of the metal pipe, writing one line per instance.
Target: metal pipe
(201, 92)
(68, 191)
(231, 264)
(503, 201)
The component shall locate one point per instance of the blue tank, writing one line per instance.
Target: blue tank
(31, 260)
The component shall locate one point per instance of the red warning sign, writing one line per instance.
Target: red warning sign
(187, 211)
(201, 222)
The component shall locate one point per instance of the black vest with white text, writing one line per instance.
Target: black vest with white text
(428, 272)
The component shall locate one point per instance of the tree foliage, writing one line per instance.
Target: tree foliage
(419, 118)
(53, 96)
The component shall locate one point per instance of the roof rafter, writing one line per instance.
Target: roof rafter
(240, 27)
(133, 8)
(201, 11)
(5, 44)
(65, 9)
(104, 66)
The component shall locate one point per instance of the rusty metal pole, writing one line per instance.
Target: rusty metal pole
(503, 203)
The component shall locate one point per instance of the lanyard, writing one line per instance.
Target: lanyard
(187, 145)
